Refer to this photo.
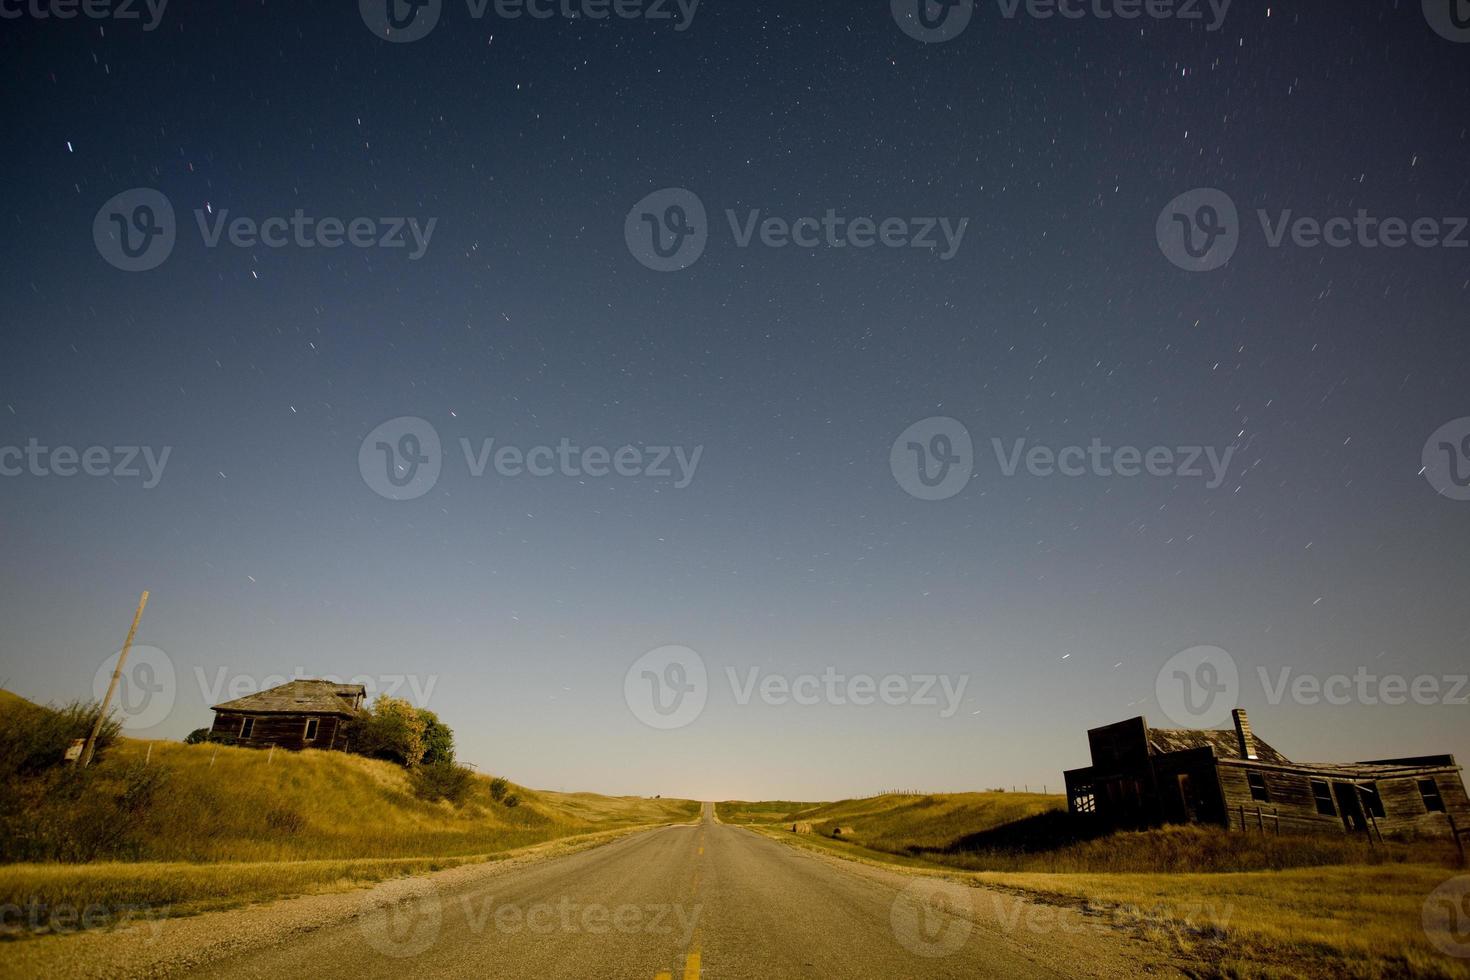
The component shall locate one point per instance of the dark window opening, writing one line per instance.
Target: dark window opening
(1259, 792)
(311, 724)
(1322, 793)
(247, 727)
(1432, 800)
(1372, 801)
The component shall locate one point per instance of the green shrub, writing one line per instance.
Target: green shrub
(206, 736)
(498, 788)
(391, 729)
(74, 814)
(442, 781)
(438, 739)
(512, 801)
(35, 738)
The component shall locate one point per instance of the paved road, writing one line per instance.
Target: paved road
(681, 903)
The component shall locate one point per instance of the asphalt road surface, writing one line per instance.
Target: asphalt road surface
(707, 900)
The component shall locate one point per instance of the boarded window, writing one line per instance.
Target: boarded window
(247, 727)
(1372, 802)
(1430, 791)
(1322, 793)
(1259, 792)
(311, 729)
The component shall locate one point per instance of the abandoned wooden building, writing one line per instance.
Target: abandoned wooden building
(1144, 777)
(303, 714)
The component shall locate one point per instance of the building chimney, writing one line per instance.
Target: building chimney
(1243, 734)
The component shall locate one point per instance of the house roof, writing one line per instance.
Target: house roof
(1225, 743)
(303, 697)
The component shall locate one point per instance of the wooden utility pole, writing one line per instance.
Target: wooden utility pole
(122, 658)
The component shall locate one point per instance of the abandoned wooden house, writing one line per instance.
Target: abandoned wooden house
(303, 714)
(1144, 777)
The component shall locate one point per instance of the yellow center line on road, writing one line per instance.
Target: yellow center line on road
(691, 965)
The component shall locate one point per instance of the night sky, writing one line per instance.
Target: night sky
(527, 319)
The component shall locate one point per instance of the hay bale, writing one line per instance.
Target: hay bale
(801, 827)
(842, 831)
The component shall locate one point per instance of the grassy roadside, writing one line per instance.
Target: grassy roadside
(224, 826)
(55, 897)
(1331, 920)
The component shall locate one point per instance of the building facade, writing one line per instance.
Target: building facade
(1144, 777)
(304, 714)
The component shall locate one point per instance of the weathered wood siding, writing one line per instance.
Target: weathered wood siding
(283, 731)
(1294, 803)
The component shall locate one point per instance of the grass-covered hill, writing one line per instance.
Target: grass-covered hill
(199, 825)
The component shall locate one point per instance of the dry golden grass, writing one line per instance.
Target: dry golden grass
(232, 825)
(1237, 905)
(232, 804)
(1332, 921)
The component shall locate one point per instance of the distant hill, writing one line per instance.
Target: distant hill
(901, 824)
(220, 803)
(9, 700)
